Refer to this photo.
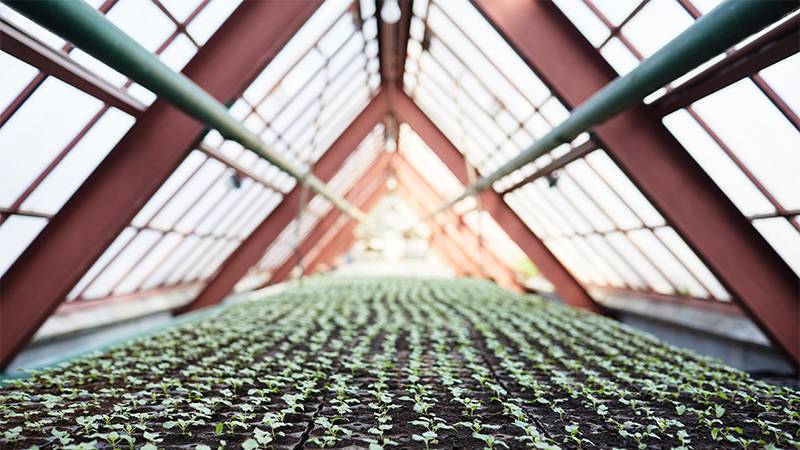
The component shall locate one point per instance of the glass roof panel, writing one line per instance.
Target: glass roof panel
(210, 18)
(783, 236)
(57, 162)
(301, 102)
(54, 102)
(121, 265)
(176, 255)
(142, 21)
(14, 77)
(16, 233)
(76, 166)
(180, 9)
(147, 263)
(782, 77)
(758, 135)
(657, 23)
(743, 135)
(588, 210)
(425, 162)
(316, 207)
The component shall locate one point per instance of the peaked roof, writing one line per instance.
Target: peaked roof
(125, 196)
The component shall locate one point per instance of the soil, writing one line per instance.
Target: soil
(252, 347)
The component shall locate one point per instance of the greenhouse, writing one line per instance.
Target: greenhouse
(391, 224)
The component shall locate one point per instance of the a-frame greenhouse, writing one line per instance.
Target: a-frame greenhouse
(399, 224)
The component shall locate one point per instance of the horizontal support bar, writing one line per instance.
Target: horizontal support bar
(27, 48)
(572, 155)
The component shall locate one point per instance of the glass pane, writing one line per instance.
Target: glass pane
(154, 257)
(585, 20)
(15, 235)
(621, 267)
(203, 261)
(782, 77)
(616, 10)
(717, 164)
(13, 78)
(632, 254)
(180, 9)
(194, 254)
(188, 194)
(24, 150)
(179, 53)
(177, 256)
(603, 268)
(624, 187)
(674, 242)
(619, 56)
(208, 200)
(759, 135)
(684, 283)
(655, 25)
(603, 196)
(142, 21)
(121, 264)
(79, 163)
(111, 252)
(784, 238)
(211, 18)
(173, 183)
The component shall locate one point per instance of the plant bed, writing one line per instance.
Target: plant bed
(396, 363)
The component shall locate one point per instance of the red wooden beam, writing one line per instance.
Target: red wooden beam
(662, 169)
(466, 237)
(343, 238)
(567, 287)
(354, 195)
(252, 249)
(444, 248)
(112, 195)
(451, 235)
(452, 247)
(27, 48)
(392, 44)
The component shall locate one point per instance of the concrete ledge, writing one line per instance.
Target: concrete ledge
(85, 329)
(728, 336)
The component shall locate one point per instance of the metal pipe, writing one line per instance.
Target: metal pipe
(723, 27)
(79, 23)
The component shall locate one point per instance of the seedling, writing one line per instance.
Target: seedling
(476, 426)
(489, 441)
(428, 438)
(256, 368)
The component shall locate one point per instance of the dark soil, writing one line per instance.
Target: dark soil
(327, 344)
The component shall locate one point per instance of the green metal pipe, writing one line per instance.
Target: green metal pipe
(722, 28)
(87, 29)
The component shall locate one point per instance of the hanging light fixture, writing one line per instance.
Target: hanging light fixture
(390, 12)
